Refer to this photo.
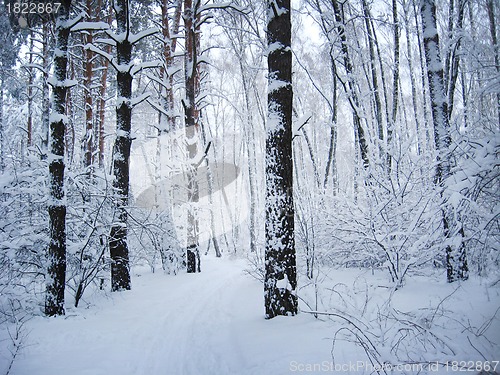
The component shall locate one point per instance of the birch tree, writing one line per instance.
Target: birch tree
(191, 113)
(280, 282)
(456, 259)
(350, 86)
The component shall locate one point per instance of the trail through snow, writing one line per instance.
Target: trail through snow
(192, 324)
(212, 323)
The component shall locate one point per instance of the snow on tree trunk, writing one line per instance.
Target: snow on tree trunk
(167, 119)
(46, 47)
(395, 87)
(373, 69)
(118, 248)
(280, 283)
(191, 124)
(101, 100)
(56, 254)
(456, 259)
(353, 97)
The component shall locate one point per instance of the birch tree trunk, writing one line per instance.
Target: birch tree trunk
(280, 283)
(350, 87)
(56, 254)
(118, 248)
(412, 78)
(373, 68)
(167, 121)
(191, 128)
(456, 259)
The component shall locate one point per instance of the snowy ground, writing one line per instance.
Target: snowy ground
(212, 324)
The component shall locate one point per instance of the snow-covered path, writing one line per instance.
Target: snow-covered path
(197, 324)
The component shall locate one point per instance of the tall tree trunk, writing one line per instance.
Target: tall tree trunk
(412, 78)
(31, 76)
(395, 85)
(70, 128)
(422, 75)
(252, 168)
(280, 283)
(88, 73)
(453, 56)
(331, 163)
(46, 32)
(56, 254)
(373, 68)
(118, 247)
(167, 121)
(456, 259)
(101, 101)
(192, 131)
(496, 48)
(351, 87)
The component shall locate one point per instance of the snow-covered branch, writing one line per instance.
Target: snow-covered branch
(135, 38)
(145, 65)
(139, 99)
(90, 26)
(102, 53)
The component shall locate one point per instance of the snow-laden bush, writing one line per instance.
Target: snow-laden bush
(23, 236)
(153, 240)
(473, 194)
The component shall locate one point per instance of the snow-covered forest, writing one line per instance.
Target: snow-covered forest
(249, 187)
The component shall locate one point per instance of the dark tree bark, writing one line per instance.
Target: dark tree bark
(280, 283)
(56, 254)
(456, 259)
(118, 248)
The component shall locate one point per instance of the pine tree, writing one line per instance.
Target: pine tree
(118, 248)
(280, 283)
(56, 272)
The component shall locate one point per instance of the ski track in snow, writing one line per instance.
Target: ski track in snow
(211, 323)
(189, 324)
